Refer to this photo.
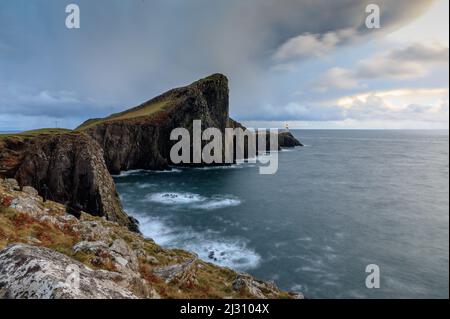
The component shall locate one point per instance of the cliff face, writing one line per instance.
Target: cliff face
(67, 168)
(139, 138)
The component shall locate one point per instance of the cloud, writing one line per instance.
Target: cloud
(309, 45)
(128, 51)
(297, 111)
(402, 105)
(412, 61)
(427, 104)
(53, 104)
(339, 78)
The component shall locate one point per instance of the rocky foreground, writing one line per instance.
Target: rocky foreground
(45, 252)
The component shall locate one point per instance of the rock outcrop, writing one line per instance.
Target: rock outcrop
(139, 138)
(47, 253)
(286, 139)
(68, 168)
(258, 288)
(29, 272)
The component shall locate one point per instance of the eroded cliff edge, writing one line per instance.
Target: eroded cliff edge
(65, 167)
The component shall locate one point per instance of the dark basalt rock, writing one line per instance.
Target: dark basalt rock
(66, 168)
(286, 139)
(144, 142)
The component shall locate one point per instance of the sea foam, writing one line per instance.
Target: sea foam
(208, 245)
(195, 201)
(174, 198)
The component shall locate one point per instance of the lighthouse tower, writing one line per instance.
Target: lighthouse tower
(287, 127)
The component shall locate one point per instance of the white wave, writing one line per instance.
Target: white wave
(145, 185)
(228, 253)
(197, 201)
(129, 173)
(133, 172)
(172, 170)
(233, 166)
(157, 230)
(174, 198)
(208, 245)
(219, 203)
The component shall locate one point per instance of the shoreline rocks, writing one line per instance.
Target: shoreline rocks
(45, 252)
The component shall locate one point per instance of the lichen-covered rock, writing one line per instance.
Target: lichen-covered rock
(118, 253)
(39, 273)
(184, 273)
(124, 255)
(30, 190)
(257, 288)
(11, 184)
(93, 247)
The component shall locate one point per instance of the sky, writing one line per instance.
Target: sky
(308, 63)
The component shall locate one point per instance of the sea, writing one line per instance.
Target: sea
(346, 200)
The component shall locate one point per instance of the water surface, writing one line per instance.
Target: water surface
(345, 200)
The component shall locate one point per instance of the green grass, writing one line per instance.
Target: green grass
(143, 110)
(34, 133)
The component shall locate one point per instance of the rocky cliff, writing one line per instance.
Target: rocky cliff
(66, 167)
(47, 253)
(139, 138)
(73, 167)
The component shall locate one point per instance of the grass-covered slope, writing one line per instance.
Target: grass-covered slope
(144, 110)
(35, 133)
(163, 102)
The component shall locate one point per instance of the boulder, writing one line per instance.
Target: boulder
(30, 190)
(257, 288)
(182, 273)
(40, 273)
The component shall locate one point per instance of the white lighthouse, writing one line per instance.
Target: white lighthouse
(287, 127)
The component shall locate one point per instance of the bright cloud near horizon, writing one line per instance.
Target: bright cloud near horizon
(312, 64)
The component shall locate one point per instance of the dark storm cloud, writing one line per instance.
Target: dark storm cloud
(128, 51)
